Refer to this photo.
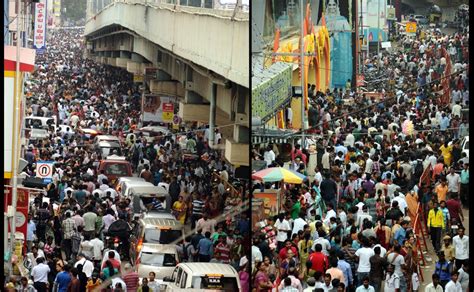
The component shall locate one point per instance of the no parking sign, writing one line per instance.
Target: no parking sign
(44, 170)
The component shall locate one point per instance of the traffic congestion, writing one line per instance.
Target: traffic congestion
(130, 206)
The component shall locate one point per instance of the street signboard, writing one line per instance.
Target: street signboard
(21, 216)
(44, 169)
(151, 73)
(39, 38)
(137, 78)
(168, 112)
(386, 45)
(411, 27)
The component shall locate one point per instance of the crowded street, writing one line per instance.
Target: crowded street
(116, 196)
(373, 194)
(119, 203)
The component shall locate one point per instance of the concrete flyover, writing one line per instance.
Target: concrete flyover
(206, 37)
(201, 55)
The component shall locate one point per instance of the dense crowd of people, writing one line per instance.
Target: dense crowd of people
(353, 224)
(68, 223)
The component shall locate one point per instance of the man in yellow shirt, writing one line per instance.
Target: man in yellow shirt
(435, 225)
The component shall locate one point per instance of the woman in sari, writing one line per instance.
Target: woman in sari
(262, 282)
(304, 246)
(179, 209)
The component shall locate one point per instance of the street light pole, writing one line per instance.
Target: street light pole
(378, 36)
(16, 124)
(302, 77)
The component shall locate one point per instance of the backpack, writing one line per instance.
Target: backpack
(76, 242)
(419, 169)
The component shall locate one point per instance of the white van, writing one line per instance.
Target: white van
(147, 193)
(40, 122)
(122, 180)
(203, 276)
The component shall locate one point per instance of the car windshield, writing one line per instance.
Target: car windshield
(221, 283)
(163, 236)
(116, 169)
(467, 145)
(106, 151)
(158, 259)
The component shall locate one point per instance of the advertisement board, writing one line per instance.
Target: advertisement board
(374, 15)
(270, 200)
(158, 109)
(272, 90)
(39, 39)
(168, 112)
(21, 207)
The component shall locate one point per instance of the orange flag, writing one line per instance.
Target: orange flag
(276, 43)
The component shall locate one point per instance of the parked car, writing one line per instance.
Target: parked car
(121, 181)
(114, 168)
(203, 276)
(106, 148)
(159, 258)
(158, 228)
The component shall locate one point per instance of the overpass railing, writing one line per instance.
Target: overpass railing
(222, 8)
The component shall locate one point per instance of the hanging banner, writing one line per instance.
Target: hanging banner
(39, 40)
(21, 207)
(411, 27)
(153, 106)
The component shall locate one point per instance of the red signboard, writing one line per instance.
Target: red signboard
(23, 198)
(360, 80)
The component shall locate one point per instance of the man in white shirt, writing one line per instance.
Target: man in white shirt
(282, 226)
(98, 248)
(454, 182)
(365, 287)
(435, 286)
(269, 155)
(256, 255)
(329, 214)
(453, 285)
(87, 266)
(327, 285)
(461, 248)
(362, 216)
(40, 274)
(363, 256)
(463, 277)
(299, 224)
(325, 244)
(402, 203)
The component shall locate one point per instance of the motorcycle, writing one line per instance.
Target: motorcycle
(118, 236)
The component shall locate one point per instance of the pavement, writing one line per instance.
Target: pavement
(430, 255)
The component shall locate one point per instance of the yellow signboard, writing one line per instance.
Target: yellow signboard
(137, 78)
(167, 117)
(411, 27)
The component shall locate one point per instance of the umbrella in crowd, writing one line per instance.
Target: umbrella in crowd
(273, 174)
